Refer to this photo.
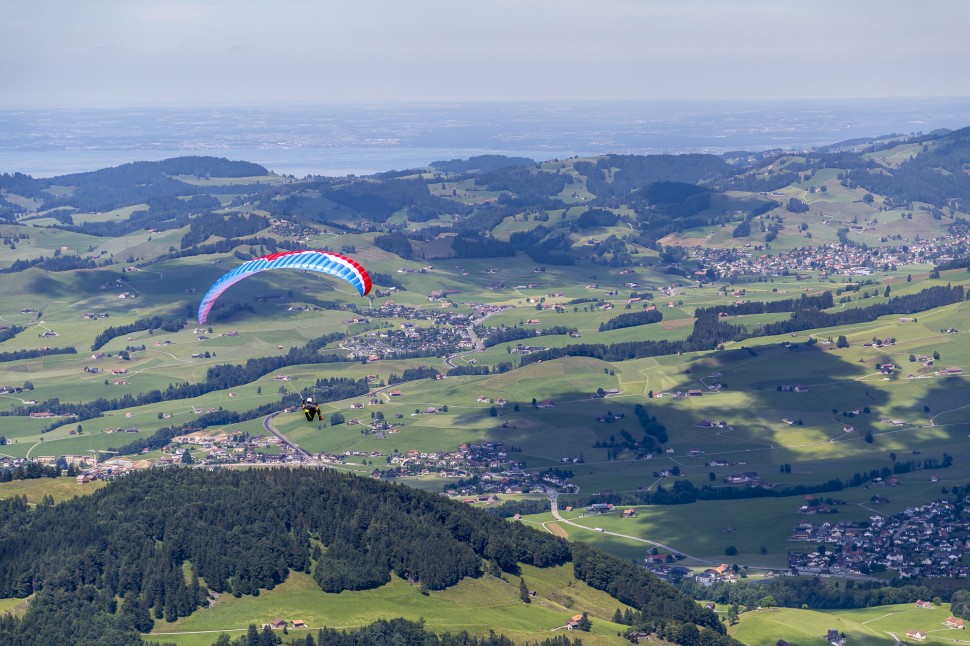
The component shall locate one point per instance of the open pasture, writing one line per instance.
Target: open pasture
(765, 627)
(879, 626)
(474, 605)
(60, 489)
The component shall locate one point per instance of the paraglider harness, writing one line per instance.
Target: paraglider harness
(310, 410)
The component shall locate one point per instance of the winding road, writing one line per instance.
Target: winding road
(305, 456)
(554, 501)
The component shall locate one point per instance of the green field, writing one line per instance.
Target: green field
(474, 605)
(879, 626)
(60, 489)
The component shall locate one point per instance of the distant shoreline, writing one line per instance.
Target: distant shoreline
(363, 139)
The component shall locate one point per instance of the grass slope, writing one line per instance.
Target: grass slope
(883, 625)
(474, 605)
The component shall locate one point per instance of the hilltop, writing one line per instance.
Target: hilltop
(170, 543)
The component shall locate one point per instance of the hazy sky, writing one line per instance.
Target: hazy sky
(186, 52)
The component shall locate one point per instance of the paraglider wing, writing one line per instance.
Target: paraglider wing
(325, 262)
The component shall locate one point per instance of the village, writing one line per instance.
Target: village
(826, 260)
(480, 470)
(449, 332)
(924, 541)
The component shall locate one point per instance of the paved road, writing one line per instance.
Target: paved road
(305, 455)
(476, 342)
(554, 498)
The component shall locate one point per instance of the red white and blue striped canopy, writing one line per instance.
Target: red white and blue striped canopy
(325, 262)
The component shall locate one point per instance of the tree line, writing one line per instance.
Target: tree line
(399, 632)
(632, 319)
(16, 355)
(167, 324)
(66, 262)
(506, 334)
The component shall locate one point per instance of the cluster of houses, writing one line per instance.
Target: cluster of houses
(928, 540)
(449, 331)
(279, 624)
(723, 573)
(87, 467)
(824, 259)
(223, 448)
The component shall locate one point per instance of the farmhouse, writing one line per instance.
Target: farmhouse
(747, 476)
(574, 621)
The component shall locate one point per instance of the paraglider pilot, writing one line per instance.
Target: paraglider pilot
(310, 410)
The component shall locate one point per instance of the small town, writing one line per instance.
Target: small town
(924, 541)
(828, 260)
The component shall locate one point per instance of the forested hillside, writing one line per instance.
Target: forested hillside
(242, 532)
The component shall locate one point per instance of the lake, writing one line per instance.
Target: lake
(362, 139)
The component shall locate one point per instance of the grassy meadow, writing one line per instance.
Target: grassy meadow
(879, 626)
(474, 605)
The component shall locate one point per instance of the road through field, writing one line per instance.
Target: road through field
(553, 499)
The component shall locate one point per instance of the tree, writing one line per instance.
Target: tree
(743, 230)
(730, 550)
(733, 614)
(842, 342)
(336, 418)
(795, 205)
(584, 623)
(524, 591)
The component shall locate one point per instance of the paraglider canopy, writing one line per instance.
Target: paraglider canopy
(325, 262)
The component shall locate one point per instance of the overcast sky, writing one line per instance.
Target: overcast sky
(191, 52)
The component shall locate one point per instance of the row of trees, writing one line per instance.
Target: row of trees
(33, 353)
(167, 324)
(632, 319)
